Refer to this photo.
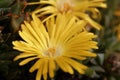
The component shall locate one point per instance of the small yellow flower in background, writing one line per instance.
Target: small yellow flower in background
(56, 43)
(78, 8)
(117, 30)
(117, 13)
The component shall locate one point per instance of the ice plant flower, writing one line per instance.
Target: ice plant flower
(60, 42)
(117, 30)
(79, 8)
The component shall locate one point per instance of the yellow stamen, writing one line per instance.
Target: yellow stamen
(65, 8)
(51, 52)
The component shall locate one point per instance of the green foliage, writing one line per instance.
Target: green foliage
(5, 3)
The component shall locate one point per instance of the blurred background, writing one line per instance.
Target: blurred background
(106, 66)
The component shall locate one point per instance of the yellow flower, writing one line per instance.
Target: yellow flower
(56, 43)
(117, 13)
(79, 8)
(117, 30)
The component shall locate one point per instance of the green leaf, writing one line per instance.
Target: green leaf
(98, 69)
(5, 3)
(112, 78)
(91, 73)
(101, 58)
(17, 7)
(16, 22)
(115, 45)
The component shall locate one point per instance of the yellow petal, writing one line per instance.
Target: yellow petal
(24, 55)
(23, 46)
(89, 20)
(69, 68)
(25, 61)
(52, 67)
(77, 66)
(36, 65)
(40, 31)
(72, 55)
(45, 69)
(64, 66)
(39, 73)
(60, 64)
(50, 8)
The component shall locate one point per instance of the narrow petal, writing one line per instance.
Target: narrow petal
(81, 53)
(36, 65)
(77, 66)
(64, 66)
(39, 73)
(69, 68)
(61, 64)
(25, 61)
(88, 19)
(45, 69)
(52, 67)
(72, 55)
(50, 8)
(24, 55)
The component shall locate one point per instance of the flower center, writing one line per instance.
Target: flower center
(51, 52)
(64, 6)
(54, 52)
